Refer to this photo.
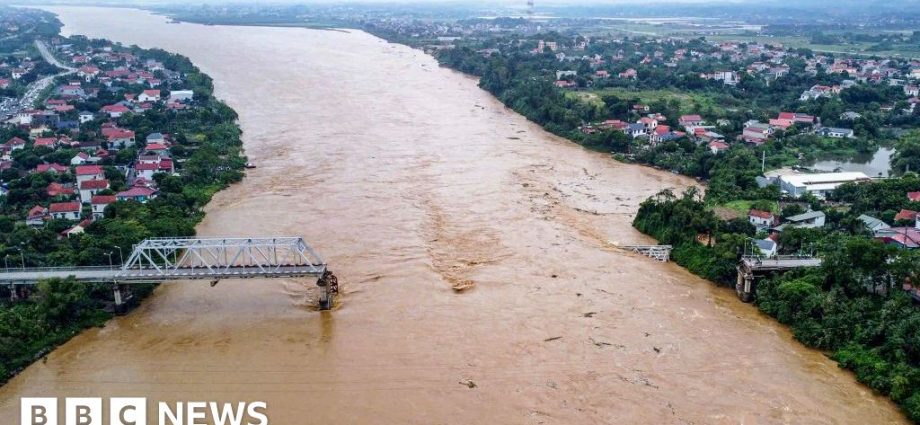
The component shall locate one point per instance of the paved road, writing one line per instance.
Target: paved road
(46, 54)
(36, 88)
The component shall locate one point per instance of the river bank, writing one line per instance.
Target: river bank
(883, 367)
(203, 140)
(407, 178)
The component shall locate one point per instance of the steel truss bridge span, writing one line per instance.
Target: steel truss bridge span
(177, 259)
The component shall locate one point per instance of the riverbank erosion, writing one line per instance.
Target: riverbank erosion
(410, 180)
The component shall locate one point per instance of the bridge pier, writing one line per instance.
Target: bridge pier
(330, 286)
(122, 294)
(119, 303)
(14, 293)
(745, 286)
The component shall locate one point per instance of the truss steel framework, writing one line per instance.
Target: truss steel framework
(223, 256)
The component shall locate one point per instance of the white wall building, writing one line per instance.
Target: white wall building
(817, 184)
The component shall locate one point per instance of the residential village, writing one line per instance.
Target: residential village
(77, 145)
(105, 146)
(755, 61)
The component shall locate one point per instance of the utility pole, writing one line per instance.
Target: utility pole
(763, 161)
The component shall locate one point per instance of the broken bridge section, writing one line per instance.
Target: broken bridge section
(752, 267)
(656, 252)
(179, 259)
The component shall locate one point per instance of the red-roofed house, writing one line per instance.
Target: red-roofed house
(37, 216)
(761, 219)
(139, 194)
(88, 188)
(690, 121)
(149, 96)
(796, 117)
(14, 144)
(119, 138)
(99, 202)
(716, 146)
(89, 172)
(116, 110)
(660, 133)
(65, 210)
(57, 189)
(146, 169)
(157, 148)
(629, 74)
(48, 142)
(78, 229)
(51, 168)
(906, 215)
(88, 72)
(902, 237)
(913, 196)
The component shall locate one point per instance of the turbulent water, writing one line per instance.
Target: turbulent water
(410, 180)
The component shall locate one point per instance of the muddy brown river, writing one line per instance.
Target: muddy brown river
(410, 180)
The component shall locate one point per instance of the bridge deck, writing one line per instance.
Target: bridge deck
(106, 274)
(779, 263)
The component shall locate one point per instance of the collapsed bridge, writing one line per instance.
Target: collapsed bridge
(181, 259)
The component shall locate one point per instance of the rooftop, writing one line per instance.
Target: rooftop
(823, 178)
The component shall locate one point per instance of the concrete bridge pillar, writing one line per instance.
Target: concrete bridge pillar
(330, 286)
(119, 300)
(14, 293)
(749, 285)
(745, 285)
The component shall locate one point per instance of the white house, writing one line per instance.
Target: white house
(89, 172)
(89, 188)
(79, 159)
(86, 117)
(809, 220)
(836, 133)
(149, 96)
(181, 95)
(37, 216)
(65, 210)
(635, 130)
(99, 202)
(767, 247)
(761, 219)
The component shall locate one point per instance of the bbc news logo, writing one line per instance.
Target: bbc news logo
(133, 411)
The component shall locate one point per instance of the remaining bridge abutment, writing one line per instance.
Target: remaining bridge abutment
(751, 267)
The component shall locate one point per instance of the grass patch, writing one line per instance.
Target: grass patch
(690, 102)
(742, 207)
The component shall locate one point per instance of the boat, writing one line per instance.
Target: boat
(250, 165)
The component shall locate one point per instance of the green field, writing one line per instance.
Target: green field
(717, 32)
(690, 103)
(904, 50)
(742, 207)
